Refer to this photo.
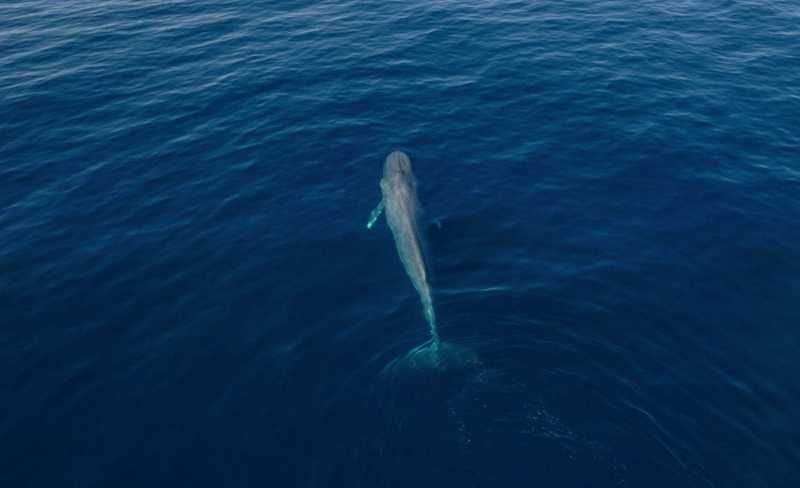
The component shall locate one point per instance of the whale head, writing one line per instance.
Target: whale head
(398, 165)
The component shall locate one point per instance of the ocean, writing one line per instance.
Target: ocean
(190, 295)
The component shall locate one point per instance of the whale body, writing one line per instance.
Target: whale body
(399, 190)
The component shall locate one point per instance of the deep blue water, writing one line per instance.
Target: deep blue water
(189, 294)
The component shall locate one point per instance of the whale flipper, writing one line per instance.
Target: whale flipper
(375, 214)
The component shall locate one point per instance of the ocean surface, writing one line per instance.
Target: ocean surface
(190, 296)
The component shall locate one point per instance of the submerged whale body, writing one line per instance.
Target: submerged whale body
(444, 357)
(399, 190)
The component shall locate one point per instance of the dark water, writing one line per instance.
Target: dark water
(189, 295)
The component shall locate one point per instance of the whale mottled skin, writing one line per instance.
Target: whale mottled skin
(399, 189)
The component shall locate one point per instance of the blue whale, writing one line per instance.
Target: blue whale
(399, 189)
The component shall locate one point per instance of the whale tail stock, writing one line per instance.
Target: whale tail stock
(430, 315)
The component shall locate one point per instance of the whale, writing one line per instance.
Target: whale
(403, 211)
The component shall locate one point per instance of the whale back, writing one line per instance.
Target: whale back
(404, 214)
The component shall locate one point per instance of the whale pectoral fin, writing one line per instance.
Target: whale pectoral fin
(375, 214)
